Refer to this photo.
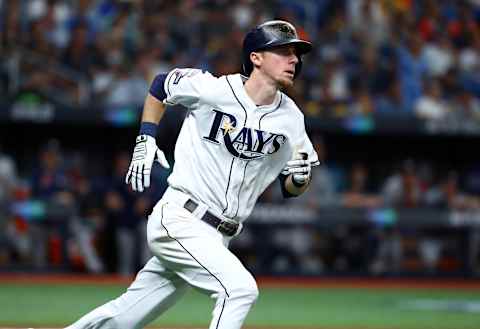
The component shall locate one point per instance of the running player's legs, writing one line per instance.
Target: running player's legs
(186, 250)
(196, 252)
(154, 290)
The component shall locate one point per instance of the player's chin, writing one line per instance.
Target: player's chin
(286, 81)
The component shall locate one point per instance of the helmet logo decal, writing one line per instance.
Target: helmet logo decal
(288, 31)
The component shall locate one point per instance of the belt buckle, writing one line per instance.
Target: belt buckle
(228, 228)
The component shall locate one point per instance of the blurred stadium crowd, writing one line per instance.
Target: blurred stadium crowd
(71, 210)
(371, 57)
(386, 58)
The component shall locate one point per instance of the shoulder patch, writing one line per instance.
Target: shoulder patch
(178, 74)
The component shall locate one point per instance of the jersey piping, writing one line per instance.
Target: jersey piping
(265, 114)
(240, 188)
(228, 184)
(233, 159)
(235, 95)
(191, 255)
(168, 85)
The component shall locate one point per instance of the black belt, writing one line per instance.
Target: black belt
(222, 226)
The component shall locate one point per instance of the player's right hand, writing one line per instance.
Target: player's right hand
(146, 151)
(300, 168)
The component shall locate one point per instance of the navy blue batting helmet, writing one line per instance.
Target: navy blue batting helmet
(269, 35)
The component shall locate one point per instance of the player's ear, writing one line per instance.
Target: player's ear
(256, 58)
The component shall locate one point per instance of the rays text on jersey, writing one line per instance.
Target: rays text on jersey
(244, 143)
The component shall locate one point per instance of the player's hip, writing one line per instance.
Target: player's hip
(171, 220)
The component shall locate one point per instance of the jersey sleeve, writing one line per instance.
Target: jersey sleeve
(181, 86)
(303, 144)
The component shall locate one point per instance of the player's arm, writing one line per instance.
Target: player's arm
(153, 110)
(296, 176)
(146, 150)
(179, 86)
(292, 188)
(153, 107)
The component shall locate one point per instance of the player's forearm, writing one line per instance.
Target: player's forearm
(153, 110)
(294, 189)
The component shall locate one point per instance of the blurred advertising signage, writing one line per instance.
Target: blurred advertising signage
(264, 213)
(383, 216)
(359, 125)
(29, 106)
(29, 210)
(453, 126)
(121, 116)
(464, 218)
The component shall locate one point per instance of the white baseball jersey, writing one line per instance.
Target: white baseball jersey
(229, 149)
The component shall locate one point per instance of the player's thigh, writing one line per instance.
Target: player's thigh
(214, 269)
(195, 251)
(152, 292)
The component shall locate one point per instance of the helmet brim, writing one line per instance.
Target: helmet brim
(301, 46)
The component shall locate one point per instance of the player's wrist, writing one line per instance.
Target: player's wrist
(144, 138)
(148, 128)
(301, 183)
(293, 187)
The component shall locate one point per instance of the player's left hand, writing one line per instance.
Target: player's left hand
(145, 153)
(300, 168)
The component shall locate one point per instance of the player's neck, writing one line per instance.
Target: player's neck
(260, 90)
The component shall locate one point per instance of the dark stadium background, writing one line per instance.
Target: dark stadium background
(388, 235)
(54, 55)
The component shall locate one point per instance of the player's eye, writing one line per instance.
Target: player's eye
(285, 51)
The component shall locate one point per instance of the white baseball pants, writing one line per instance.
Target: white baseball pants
(187, 252)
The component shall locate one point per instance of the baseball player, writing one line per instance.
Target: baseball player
(241, 133)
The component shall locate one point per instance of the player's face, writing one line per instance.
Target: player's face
(279, 64)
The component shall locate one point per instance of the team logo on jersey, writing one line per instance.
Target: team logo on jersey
(177, 76)
(244, 143)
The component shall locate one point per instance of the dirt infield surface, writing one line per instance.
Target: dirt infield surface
(291, 282)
